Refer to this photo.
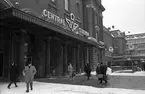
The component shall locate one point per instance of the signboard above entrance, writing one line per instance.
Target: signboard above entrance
(48, 16)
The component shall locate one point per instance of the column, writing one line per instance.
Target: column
(47, 61)
(65, 59)
(22, 52)
(61, 60)
(74, 58)
(87, 53)
(89, 19)
(78, 58)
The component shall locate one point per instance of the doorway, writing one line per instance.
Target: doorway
(1, 64)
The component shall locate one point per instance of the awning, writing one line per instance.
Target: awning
(13, 12)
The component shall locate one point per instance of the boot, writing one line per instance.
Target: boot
(31, 86)
(27, 91)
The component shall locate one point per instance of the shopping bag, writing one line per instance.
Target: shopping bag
(100, 75)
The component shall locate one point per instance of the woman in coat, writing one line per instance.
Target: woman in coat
(70, 70)
(87, 70)
(13, 74)
(29, 72)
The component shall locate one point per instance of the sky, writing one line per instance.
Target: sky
(125, 15)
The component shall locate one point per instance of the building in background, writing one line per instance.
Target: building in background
(51, 33)
(93, 23)
(108, 40)
(119, 45)
(136, 48)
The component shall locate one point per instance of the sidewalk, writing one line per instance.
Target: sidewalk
(78, 80)
(53, 88)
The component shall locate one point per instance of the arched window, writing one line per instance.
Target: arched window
(66, 5)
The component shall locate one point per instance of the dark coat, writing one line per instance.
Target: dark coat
(87, 69)
(101, 69)
(13, 72)
(98, 70)
(105, 69)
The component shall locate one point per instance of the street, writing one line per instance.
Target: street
(118, 84)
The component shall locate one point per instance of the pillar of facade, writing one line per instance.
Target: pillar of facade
(6, 52)
(47, 67)
(61, 60)
(22, 52)
(78, 58)
(87, 54)
(74, 58)
(89, 19)
(65, 59)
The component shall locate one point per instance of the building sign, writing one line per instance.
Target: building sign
(50, 17)
(72, 25)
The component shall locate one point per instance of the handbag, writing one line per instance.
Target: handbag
(100, 75)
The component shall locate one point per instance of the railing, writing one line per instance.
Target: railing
(125, 56)
(117, 68)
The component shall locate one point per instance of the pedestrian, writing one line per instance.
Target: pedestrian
(13, 74)
(70, 70)
(87, 70)
(29, 72)
(104, 72)
(98, 73)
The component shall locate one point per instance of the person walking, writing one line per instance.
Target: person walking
(13, 74)
(101, 72)
(104, 72)
(98, 73)
(87, 70)
(29, 72)
(70, 70)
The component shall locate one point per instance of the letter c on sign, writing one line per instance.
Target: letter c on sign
(45, 12)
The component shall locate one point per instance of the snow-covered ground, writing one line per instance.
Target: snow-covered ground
(51, 88)
(135, 82)
(138, 73)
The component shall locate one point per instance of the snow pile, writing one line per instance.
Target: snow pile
(50, 88)
(139, 73)
(123, 71)
(109, 70)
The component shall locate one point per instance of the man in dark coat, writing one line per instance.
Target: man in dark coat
(104, 72)
(98, 72)
(13, 74)
(87, 70)
(101, 71)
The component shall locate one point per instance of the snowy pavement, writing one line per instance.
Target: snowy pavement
(119, 83)
(51, 88)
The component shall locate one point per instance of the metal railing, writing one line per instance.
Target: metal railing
(118, 68)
